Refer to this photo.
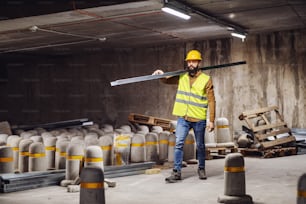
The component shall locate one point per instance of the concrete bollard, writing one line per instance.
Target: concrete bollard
(92, 186)
(171, 146)
(224, 136)
(301, 191)
(106, 144)
(26, 135)
(6, 160)
(91, 139)
(40, 130)
(37, 138)
(96, 131)
(46, 135)
(60, 153)
(37, 157)
(13, 142)
(3, 138)
(157, 129)
(143, 129)
(234, 178)
(138, 150)
(74, 160)
(93, 156)
(122, 147)
(189, 147)
(50, 147)
(107, 128)
(163, 141)
(126, 128)
(23, 161)
(152, 146)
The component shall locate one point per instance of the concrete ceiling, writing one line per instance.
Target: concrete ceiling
(63, 28)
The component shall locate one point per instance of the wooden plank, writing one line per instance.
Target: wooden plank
(273, 133)
(278, 141)
(265, 119)
(249, 123)
(257, 111)
(267, 127)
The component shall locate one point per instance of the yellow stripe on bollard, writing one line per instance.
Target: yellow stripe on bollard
(75, 157)
(15, 149)
(118, 159)
(50, 148)
(106, 148)
(63, 154)
(151, 143)
(301, 194)
(234, 169)
(93, 159)
(163, 142)
(37, 155)
(24, 153)
(123, 137)
(121, 145)
(189, 142)
(6, 159)
(222, 126)
(171, 143)
(137, 144)
(92, 185)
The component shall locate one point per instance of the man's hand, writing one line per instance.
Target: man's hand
(210, 126)
(157, 72)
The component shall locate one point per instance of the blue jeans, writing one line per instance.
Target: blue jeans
(182, 129)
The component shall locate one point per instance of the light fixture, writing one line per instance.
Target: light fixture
(236, 30)
(175, 12)
(239, 35)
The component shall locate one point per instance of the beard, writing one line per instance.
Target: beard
(192, 72)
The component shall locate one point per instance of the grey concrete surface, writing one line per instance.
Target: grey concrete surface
(268, 181)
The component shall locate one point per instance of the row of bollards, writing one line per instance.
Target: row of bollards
(50, 150)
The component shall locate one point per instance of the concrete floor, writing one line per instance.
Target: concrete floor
(268, 181)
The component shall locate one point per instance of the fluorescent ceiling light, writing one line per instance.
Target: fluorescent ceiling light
(176, 13)
(238, 35)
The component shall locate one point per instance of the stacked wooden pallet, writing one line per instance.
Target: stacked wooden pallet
(271, 135)
(150, 120)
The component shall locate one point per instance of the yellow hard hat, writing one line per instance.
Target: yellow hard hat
(193, 55)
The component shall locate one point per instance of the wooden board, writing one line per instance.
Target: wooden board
(279, 141)
(269, 153)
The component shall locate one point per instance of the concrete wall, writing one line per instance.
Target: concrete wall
(47, 89)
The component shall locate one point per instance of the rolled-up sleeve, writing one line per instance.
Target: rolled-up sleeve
(211, 100)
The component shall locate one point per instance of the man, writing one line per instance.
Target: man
(194, 95)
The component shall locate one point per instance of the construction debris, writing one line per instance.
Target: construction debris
(268, 132)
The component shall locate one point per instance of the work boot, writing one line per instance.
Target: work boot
(175, 176)
(202, 173)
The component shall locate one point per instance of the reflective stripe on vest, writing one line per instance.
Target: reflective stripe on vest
(191, 101)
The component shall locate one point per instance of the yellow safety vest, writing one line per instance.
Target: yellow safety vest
(191, 101)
